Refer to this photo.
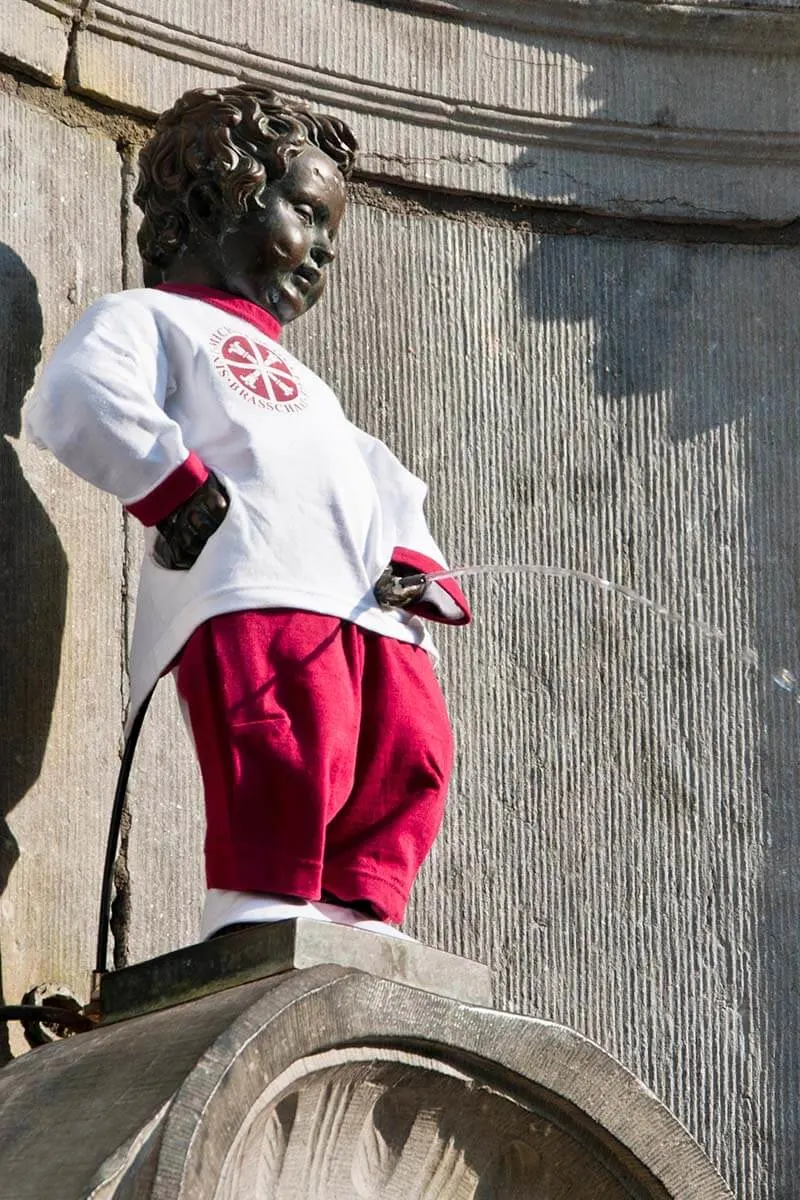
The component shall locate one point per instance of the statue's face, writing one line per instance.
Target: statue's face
(277, 255)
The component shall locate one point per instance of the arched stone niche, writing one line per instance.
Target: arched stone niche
(329, 1083)
(374, 1123)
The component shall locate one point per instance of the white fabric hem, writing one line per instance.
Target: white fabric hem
(147, 668)
(225, 907)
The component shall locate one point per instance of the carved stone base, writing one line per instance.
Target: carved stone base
(326, 1082)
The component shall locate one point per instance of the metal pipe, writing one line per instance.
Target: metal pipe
(113, 840)
(47, 1014)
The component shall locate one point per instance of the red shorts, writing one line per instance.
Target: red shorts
(325, 751)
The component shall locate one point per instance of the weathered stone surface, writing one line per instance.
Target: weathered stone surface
(330, 1083)
(628, 108)
(142, 1063)
(267, 950)
(730, 24)
(35, 36)
(60, 565)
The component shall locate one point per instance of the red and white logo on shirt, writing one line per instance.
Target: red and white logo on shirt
(256, 372)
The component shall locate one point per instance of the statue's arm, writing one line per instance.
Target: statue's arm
(415, 553)
(99, 405)
(100, 409)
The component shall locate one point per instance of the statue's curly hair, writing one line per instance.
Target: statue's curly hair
(213, 155)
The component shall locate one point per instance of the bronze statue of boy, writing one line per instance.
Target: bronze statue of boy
(278, 532)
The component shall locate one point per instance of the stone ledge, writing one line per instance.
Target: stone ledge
(267, 950)
(583, 114)
(720, 24)
(35, 36)
(622, 107)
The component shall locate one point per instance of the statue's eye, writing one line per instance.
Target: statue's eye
(305, 212)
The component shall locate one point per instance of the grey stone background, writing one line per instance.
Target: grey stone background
(599, 375)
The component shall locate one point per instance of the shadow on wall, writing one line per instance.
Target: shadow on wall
(657, 325)
(33, 574)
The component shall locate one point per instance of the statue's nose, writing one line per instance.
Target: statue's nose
(322, 255)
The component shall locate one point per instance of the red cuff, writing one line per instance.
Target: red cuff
(451, 607)
(179, 485)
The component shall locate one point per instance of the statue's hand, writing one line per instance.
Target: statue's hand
(398, 591)
(183, 534)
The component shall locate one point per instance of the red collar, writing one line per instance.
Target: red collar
(237, 305)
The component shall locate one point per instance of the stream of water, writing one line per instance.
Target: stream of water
(784, 678)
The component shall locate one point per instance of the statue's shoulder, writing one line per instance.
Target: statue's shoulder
(135, 300)
(121, 305)
(143, 315)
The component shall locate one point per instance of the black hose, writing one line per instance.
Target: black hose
(46, 1014)
(113, 835)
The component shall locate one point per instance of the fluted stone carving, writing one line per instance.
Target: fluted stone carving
(382, 1129)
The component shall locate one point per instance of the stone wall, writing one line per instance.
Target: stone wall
(566, 297)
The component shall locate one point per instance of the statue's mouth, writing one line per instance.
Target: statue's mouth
(305, 278)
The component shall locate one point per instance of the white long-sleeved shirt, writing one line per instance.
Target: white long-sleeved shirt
(152, 388)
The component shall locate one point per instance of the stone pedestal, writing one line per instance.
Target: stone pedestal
(267, 950)
(323, 1080)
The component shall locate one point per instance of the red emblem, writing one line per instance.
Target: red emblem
(259, 370)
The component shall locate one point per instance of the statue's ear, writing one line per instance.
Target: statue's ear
(203, 203)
